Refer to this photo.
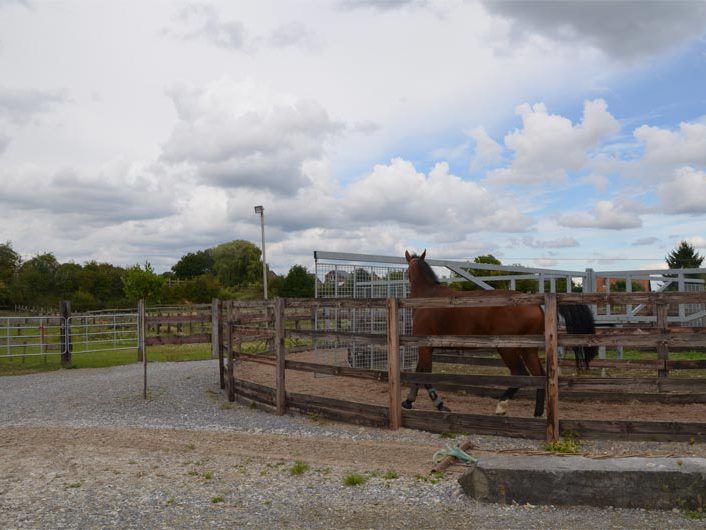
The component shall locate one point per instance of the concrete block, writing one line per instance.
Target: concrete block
(656, 483)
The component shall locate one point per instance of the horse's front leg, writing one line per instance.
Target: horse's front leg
(424, 364)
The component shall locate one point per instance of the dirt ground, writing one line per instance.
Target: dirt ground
(373, 392)
(47, 442)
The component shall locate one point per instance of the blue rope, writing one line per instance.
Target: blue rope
(453, 451)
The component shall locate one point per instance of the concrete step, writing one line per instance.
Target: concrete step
(656, 483)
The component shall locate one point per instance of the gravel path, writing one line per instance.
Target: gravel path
(82, 449)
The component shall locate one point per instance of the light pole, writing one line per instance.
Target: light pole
(261, 211)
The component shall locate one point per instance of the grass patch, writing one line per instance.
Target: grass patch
(217, 499)
(299, 468)
(390, 475)
(432, 478)
(691, 514)
(208, 475)
(103, 359)
(452, 435)
(568, 444)
(354, 479)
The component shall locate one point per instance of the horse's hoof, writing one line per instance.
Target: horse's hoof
(406, 404)
(538, 415)
(443, 408)
(501, 409)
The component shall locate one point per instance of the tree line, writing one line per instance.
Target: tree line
(231, 270)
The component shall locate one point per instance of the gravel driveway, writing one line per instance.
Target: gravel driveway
(82, 449)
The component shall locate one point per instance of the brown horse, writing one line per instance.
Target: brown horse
(500, 320)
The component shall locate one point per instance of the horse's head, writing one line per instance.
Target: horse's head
(410, 257)
(419, 272)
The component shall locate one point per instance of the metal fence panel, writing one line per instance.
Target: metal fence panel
(30, 336)
(103, 332)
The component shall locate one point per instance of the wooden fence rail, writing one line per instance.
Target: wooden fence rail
(244, 321)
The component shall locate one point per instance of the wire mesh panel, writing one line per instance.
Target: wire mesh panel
(695, 313)
(361, 281)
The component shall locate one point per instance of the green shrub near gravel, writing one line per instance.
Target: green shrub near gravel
(354, 479)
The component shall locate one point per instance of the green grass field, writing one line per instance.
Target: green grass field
(33, 364)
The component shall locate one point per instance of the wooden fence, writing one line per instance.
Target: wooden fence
(276, 323)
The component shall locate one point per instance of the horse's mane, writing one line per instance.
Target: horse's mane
(427, 271)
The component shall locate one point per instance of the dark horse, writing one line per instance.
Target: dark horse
(500, 320)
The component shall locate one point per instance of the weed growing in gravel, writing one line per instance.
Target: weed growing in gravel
(74, 485)
(226, 406)
(217, 499)
(193, 473)
(694, 515)
(568, 444)
(132, 462)
(190, 447)
(171, 501)
(354, 479)
(299, 468)
(390, 475)
(452, 435)
(208, 475)
(432, 478)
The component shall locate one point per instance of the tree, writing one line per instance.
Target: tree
(9, 265)
(684, 256)
(9, 262)
(194, 264)
(142, 283)
(37, 280)
(298, 283)
(237, 264)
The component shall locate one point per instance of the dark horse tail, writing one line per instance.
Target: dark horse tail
(579, 319)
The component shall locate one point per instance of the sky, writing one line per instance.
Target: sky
(551, 134)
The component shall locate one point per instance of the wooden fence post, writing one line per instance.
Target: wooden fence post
(280, 351)
(230, 385)
(140, 330)
(550, 351)
(661, 310)
(65, 312)
(217, 339)
(215, 319)
(393, 363)
(141, 344)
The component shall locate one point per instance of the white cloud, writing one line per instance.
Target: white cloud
(242, 134)
(201, 21)
(666, 150)
(599, 182)
(487, 150)
(549, 145)
(560, 242)
(645, 241)
(623, 30)
(605, 215)
(685, 193)
(117, 193)
(697, 241)
(19, 105)
(4, 142)
(438, 201)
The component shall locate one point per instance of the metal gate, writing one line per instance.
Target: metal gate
(34, 336)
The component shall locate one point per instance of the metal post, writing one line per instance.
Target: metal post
(261, 211)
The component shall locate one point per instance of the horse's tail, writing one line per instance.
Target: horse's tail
(579, 319)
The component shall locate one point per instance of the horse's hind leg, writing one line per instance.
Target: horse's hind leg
(512, 357)
(534, 365)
